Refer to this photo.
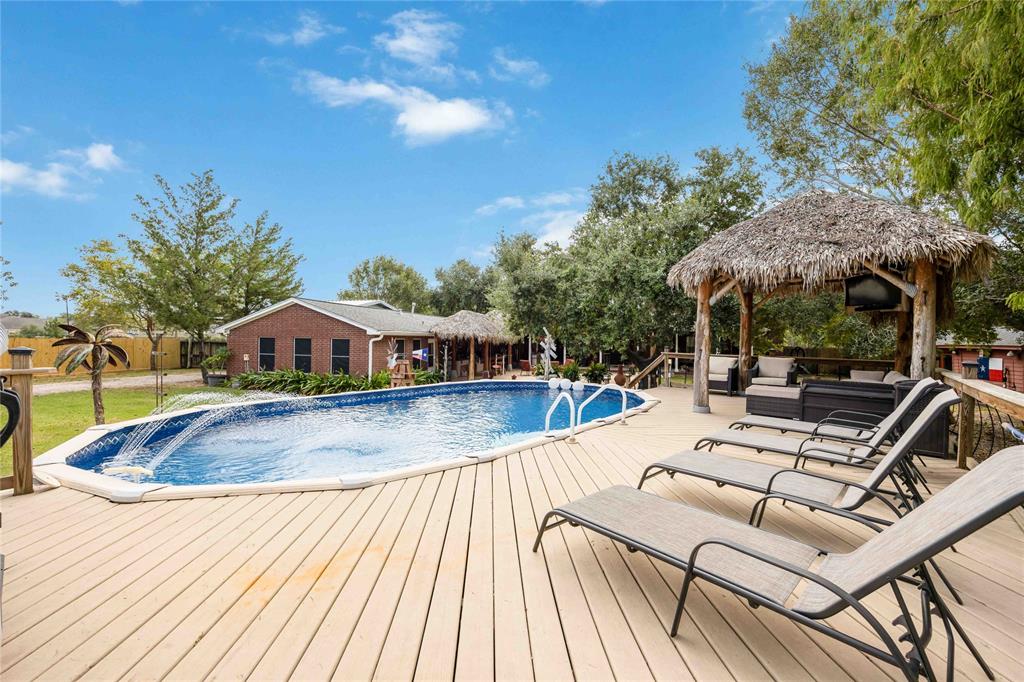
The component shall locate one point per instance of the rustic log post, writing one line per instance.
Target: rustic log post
(746, 336)
(701, 358)
(664, 370)
(922, 363)
(965, 431)
(21, 442)
(472, 358)
(487, 360)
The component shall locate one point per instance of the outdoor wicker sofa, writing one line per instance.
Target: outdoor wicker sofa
(723, 374)
(767, 569)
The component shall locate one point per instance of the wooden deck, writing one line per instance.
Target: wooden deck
(433, 578)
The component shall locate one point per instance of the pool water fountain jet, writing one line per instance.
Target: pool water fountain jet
(141, 435)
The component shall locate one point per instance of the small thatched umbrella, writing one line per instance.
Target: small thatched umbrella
(473, 326)
(816, 240)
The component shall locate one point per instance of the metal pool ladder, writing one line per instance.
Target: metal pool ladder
(622, 417)
(572, 416)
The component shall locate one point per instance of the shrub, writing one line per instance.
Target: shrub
(310, 383)
(596, 373)
(424, 376)
(538, 370)
(218, 361)
(571, 371)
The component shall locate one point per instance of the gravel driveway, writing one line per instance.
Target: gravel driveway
(175, 378)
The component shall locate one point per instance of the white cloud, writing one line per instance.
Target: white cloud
(507, 68)
(561, 198)
(15, 134)
(311, 28)
(52, 181)
(102, 157)
(423, 38)
(422, 118)
(553, 226)
(501, 203)
(56, 178)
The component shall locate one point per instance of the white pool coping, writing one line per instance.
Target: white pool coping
(52, 465)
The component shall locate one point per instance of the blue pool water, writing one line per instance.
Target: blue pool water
(347, 434)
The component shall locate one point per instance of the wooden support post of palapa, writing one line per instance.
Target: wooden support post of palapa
(701, 360)
(922, 361)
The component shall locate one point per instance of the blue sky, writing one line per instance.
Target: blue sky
(414, 130)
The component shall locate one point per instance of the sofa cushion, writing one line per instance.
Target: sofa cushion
(866, 375)
(774, 367)
(768, 381)
(787, 392)
(892, 377)
(718, 377)
(719, 364)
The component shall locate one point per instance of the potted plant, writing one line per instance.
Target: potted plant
(216, 367)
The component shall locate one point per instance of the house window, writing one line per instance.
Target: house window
(416, 345)
(303, 359)
(339, 356)
(400, 349)
(267, 353)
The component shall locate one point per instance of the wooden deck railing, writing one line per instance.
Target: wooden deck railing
(661, 362)
(984, 408)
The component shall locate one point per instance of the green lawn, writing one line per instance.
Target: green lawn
(58, 417)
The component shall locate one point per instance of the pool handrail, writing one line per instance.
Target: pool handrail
(622, 418)
(572, 415)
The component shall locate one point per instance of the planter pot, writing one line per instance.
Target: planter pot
(620, 377)
(216, 379)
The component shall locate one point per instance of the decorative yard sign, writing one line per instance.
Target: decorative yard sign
(548, 351)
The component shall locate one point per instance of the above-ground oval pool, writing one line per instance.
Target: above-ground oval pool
(349, 437)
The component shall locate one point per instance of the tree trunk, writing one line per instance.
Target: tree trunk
(702, 349)
(746, 337)
(922, 363)
(97, 388)
(201, 340)
(154, 345)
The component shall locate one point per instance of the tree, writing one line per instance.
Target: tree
(93, 352)
(389, 280)
(186, 240)
(726, 187)
(461, 286)
(108, 287)
(631, 184)
(264, 268)
(950, 71)
(807, 109)
(527, 284)
(6, 280)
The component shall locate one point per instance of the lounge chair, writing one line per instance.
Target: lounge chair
(831, 448)
(814, 490)
(766, 569)
(847, 424)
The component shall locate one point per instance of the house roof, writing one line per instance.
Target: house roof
(1004, 337)
(374, 317)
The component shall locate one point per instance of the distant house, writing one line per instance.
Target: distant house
(325, 336)
(1006, 351)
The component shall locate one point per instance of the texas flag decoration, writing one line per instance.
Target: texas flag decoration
(421, 354)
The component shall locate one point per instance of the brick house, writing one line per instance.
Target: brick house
(325, 336)
(1007, 349)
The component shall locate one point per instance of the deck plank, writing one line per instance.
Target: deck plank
(434, 577)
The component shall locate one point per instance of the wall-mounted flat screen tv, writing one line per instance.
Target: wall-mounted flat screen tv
(871, 292)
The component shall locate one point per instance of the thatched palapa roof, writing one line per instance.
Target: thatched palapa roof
(820, 237)
(467, 324)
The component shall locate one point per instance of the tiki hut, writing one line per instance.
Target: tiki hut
(474, 327)
(814, 242)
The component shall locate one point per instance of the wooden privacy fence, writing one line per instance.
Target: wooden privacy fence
(983, 410)
(138, 350)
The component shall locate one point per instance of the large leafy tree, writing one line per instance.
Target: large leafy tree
(528, 284)
(388, 279)
(461, 286)
(631, 185)
(726, 187)
(809, 111)
(108, 288)
(949, 72)
(264, 268)
(185, 247)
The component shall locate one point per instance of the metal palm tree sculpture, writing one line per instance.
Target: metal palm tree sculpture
(93, 352)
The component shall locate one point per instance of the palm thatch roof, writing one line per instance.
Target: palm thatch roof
(467, 324)
(817, 238)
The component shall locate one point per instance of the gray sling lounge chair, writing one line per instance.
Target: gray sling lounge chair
(811, 489)
(766, 569)
(846, 424)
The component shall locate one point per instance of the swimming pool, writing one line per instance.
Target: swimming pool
(346, 438)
